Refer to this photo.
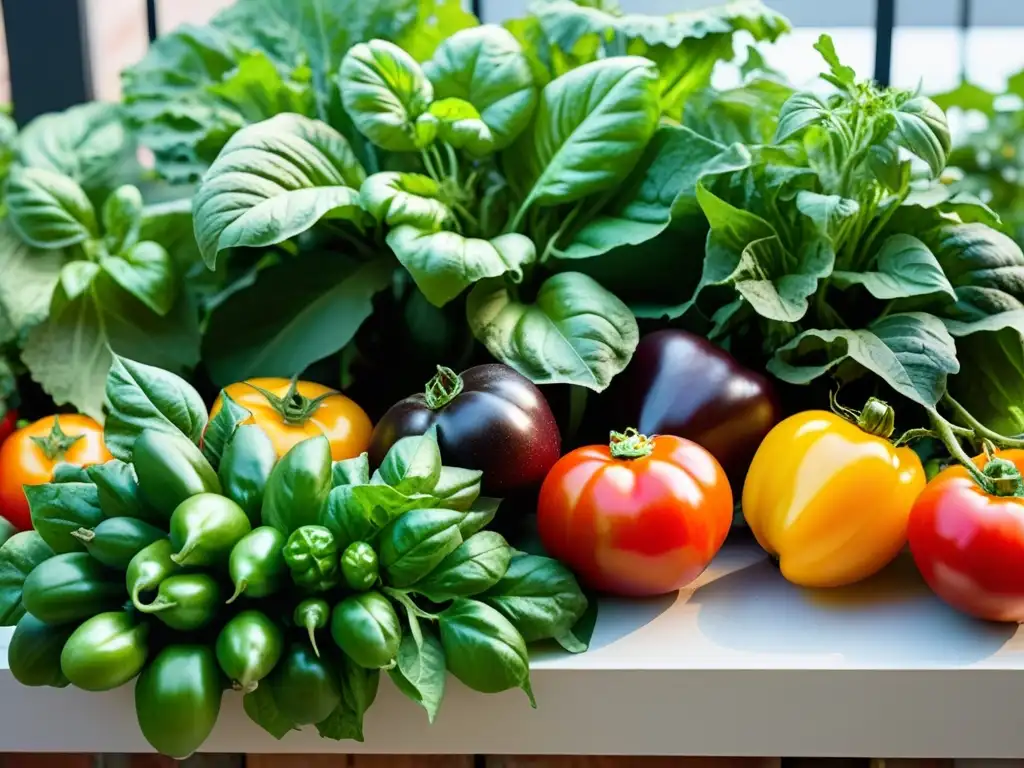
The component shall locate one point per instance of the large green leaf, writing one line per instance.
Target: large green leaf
(747, 114)
(444, 264)
(69, 354)
(923, 130)
(273, 181)
(904, 266)
(146, 272)
(296, 313)
(405, 198)
(29, 277)
(967, 96)
(486, 67)
(912, 352)
(49, 209)
(660, 190)
(89, 143)
(575, 332)
(384, 90)
(436, 21)
(589, 130)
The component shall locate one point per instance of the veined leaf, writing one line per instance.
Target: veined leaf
(991, 355)
(444, 264)
(273, 181)
(800, 111)
(903, 267)
(913, 353)
(923, 130)
(146, 272)
(576, 332)
(122, 218)
(29, 277)
(49, 209)
(405, 198)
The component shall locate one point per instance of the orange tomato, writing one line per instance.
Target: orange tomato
(290, 414)
(29, 455)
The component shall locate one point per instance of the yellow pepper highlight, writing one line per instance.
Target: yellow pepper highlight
(830, 499)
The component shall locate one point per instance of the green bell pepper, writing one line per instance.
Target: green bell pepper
(312, 557)
(359, 566)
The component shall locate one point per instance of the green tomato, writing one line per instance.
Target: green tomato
(170, 469)
(312, 556)
(116, 540)
(359, 566)
(256, 563)
(33, 655)
(71, 587)
(245, 468)
(186, 601)
(312, 614)
(105, 652)
(366, 628)
(177, 699)
(148, 568)
(305, 686)
(248, 648)
(205, 528)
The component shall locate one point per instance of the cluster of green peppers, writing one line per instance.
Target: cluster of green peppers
(197, 566)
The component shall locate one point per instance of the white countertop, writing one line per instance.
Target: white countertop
(740, 663)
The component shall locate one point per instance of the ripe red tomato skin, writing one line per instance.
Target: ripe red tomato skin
(969, 545)
(636, 527)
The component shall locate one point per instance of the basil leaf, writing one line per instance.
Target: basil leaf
(912, 352)
(413, 464)
(589, 130)
(458, 122)
(842, 76)
(298, 486)
(444, 264)
(576, 332)
(483, 649)
(30, 276)
(923, 130)
(60, 508)
(414, 544)
(457, 488)
(274, 180)
(122, 218)
(358, 691)
(480, 513)
(118, 491)
(354, 471)
(69, 473)
(146, 272)
(904, 266)
(221, 429)
(145, 397)
(384, 90)
(476, 566)
(346, 517)
(539, 595)
(830, 213)
(261, 708)
(405, 198)
(486, 67)
(18, 556)
(800, 111)
(48, 209)
(420, 671)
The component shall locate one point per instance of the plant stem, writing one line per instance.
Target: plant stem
(964, 416)
(403, 597)
(453, 162)
(553, 240)
(428, 164)
(944, 431)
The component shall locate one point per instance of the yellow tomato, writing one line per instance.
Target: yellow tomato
(290, 414)
(830, 498)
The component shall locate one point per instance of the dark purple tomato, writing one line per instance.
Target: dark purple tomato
(681, 384)
(490, 418)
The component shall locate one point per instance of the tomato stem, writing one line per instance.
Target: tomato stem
(294, 408)
(964, 416)
(878, 418)
(630, 444)
(1004, 477)
(55, 444)
(944, 432)
(444, 387)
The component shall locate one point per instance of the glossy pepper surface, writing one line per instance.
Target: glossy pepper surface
(312, 556)
(289, 414)
(829, 497)
(968, 543)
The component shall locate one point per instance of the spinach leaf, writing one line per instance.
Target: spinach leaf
(576, 332)
(903, 267)
(590, 128)
(384, 90)
(485, 66)
(48, 209)
(405, 198)
(912, 352)
(273, 181)
(444, 264)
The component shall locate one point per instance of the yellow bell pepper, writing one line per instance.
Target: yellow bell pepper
(830, 498)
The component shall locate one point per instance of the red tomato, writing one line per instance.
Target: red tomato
(7, 422)
(639, 517)
(29, 456)
(969, 544)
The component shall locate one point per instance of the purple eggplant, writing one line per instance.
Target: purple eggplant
(489, 418)
(681, 384)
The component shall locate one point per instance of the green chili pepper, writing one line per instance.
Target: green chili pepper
(185, 602)
(116, 540)
(170, 469)
(305, 687)
(366, 628)
(248, 648)
(245, 468)
(205, 527)
(312, 614)
(33, 654)
(256, 563)
(359, 566)
(71, 587)
(148, 568)
(312, 556)
(105, 652)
